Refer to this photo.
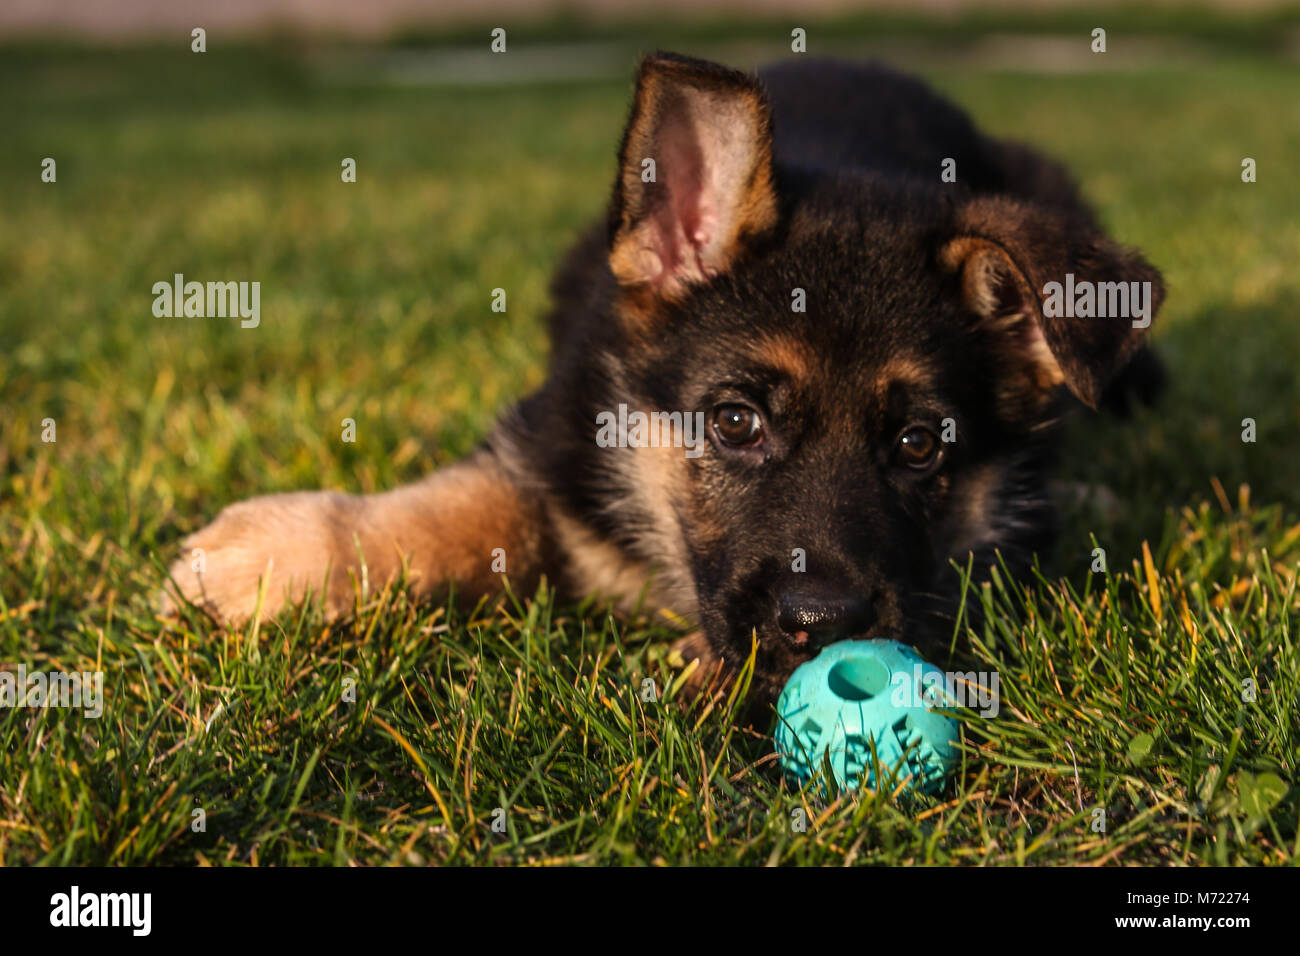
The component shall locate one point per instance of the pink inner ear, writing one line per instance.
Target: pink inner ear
(678, 231)
(702, 168)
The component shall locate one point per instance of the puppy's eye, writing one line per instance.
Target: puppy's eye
(737, 426)
(918, 449)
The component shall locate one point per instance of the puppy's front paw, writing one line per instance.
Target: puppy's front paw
(702, 666)
(287, 544)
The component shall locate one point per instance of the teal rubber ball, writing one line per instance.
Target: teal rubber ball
(856, 692)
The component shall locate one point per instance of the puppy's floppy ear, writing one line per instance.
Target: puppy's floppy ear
(687, 216)
(1016, 261)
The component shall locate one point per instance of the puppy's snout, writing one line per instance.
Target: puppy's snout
(820, 619)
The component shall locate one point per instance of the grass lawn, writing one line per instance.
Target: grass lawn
(1120, 691)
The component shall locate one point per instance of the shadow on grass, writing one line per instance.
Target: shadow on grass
(1224, 365)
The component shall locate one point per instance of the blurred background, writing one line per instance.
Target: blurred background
(474, 172)
(380, 19)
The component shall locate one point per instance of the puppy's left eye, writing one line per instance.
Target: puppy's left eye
(918, 449)
(737, 426)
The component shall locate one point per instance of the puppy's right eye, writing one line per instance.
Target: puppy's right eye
(737, 426)
(917, 449)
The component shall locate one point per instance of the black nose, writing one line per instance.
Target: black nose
(820, 618)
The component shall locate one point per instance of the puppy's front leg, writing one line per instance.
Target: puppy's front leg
(444, 529)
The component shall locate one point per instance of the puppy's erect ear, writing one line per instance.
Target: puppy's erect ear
(1074, 303)
(685, 216)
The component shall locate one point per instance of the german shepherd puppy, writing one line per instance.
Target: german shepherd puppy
(870, 349)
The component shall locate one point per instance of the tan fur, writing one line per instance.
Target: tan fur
(441, 529)
(597, 567)
(907, 370)
(789, 355)
(659, 476)
(973, 509)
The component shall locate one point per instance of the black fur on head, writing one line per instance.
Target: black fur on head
(868, 345)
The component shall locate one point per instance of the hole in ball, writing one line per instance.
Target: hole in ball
(858, 678)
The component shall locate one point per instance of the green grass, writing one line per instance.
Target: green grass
(1119, 691)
